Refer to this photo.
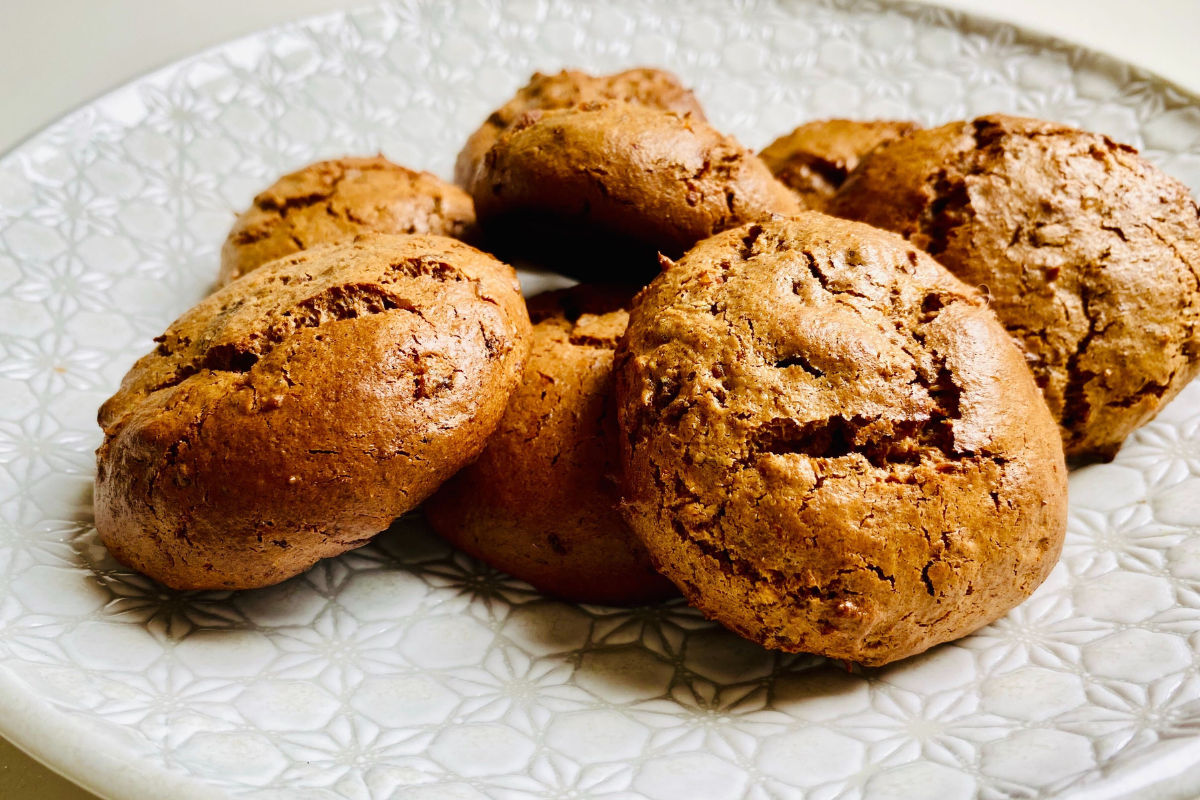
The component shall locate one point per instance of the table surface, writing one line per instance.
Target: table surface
(78, 49)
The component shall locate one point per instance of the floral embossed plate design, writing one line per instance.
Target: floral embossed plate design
(407, 670)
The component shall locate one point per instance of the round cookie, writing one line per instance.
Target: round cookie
(540, 503)
(654, 88)
(334, 201)
(831, 445)
(614, 184)
(1091, 257)
(815, 158)
(295, 413)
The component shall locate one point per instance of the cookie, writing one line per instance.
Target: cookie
(540, 503)
(613, 184)
(334, 201)
(1091, 257)
(831, 445)
(295, 413)
(654, 88)
(815, 159)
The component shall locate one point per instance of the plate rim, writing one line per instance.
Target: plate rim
(65, 745)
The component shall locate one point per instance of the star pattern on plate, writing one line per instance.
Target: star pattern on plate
(408, 668)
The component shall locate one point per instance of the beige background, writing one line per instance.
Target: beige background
(57, 54)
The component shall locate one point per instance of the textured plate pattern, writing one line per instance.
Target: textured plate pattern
(408, 666)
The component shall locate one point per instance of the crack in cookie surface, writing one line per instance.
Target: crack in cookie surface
(653, 88)
(333, 201)
(295, 413)
(1091, 258)
(811, 412)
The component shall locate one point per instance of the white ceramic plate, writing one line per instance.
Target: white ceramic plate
(405, 669)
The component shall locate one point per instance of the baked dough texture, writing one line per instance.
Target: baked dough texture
(294, 414)
(334, 201)
(1090, 255)
(619, 182)
(654, 88)
(815, 158)
(830, 444)
(540, 503)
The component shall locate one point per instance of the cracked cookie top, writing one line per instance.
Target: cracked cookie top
(1090, 255)
(334, 201)
(815, 158)
(654, 88)
(620, 179)
(540, 502)
(831, 445)
(295, 413)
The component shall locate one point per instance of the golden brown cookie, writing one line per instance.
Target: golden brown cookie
(831, 445)
(654, 88)
(815, 159)
(334, 201)
(540, 503)
(1091, 257)
(615, 183)
(294, 414)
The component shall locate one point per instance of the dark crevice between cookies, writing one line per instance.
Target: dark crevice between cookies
(573, 304)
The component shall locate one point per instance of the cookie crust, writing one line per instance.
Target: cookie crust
(626, 181)
(1090, 255)
(334, 201)
(654, 88)
(831, 445)
(294, 414)
(541, 501)
(815, 158)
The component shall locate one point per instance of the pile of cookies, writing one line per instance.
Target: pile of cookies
(827, 392)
